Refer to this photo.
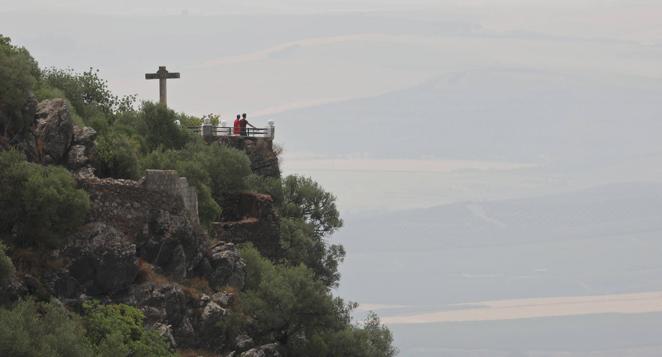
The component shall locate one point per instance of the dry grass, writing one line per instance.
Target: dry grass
(230, 290)
(195, 287)
(146, 273)
(196, 353)
(35, 261)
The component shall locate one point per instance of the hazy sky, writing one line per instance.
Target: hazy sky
(267, 59)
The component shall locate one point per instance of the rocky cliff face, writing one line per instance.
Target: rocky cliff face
(54, 139)
(142, 244)
(264, 160)
(140, 247)
(250, 217)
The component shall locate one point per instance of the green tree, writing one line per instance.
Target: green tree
(286, 303)
(156, 124)
(19, 73)
(305, 198)
(32, 329)
(308, 217)
(88, 93)
(117, 330)
(39, 204)
(372, 339)
(290, 305)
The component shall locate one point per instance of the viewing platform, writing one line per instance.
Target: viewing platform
(211, 131)
(257, 143)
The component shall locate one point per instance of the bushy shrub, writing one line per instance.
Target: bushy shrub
(228, 168)
(271, 186)
(32, 329)
(117, 330)
(214, 170)
(39, 204)
(88, 93)
(117, 156)
(156, 124)
(19, 73)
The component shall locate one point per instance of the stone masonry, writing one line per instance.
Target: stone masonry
(169, 182)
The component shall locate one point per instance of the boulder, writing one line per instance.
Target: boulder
(243, 343)
(83, 150)
(102, 260)
(250, 217)
(212, 311)
(54, 131)
(77, 157)
(270, 350)
(84, 136)
(13, 290)
(172, 243)
(165, 331)
(166, 303)
(228, 267)
(223, 298)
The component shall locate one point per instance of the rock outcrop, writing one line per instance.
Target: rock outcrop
(264, 160)
(140, 247)
(53, 138)
(82, 152)
(250, 217)
(54, 131)
(100, 260)
(269, 350)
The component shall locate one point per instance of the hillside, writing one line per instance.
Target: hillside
(123, 233)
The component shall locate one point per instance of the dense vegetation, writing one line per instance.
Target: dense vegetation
(39, 204)
(287, 299)
(33, 329)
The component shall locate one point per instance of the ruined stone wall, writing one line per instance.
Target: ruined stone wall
(168, 182)
(126, 204)
(250, 217)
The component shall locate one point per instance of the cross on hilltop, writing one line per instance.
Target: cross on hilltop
(162, 75)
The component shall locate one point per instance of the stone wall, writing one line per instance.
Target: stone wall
(167, 181)
(126, 204)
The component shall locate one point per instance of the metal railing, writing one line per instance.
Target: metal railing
(217, 131)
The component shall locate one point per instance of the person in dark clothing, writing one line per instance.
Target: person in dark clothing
(236, 130)
(243, 123)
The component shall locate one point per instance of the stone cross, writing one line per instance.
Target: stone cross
(162, 75)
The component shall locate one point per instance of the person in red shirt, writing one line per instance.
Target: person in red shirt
(242, 124)
(237, 125)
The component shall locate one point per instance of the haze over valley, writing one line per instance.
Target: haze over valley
(486, 157)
